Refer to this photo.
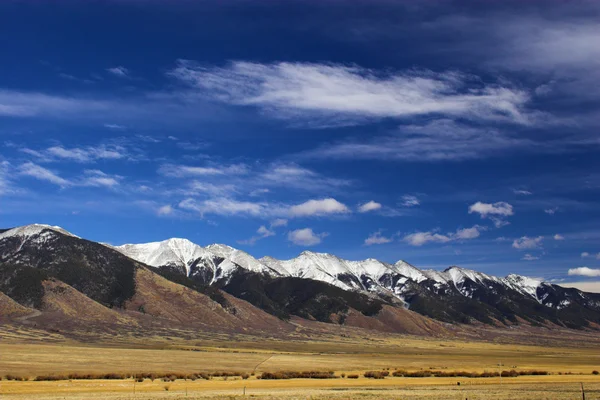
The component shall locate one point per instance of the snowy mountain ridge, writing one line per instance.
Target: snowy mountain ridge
(317, 283)
(219, 261)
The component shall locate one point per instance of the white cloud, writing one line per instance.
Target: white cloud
(321, 207)
(181, 171)
(377, 238)
(214, 190)
(584, 271)
(259, 192)
(421, 238)
(79, 154)
(165, 210)
(469, 233)
(529, 257)
(344, 94)
(119, 71)
(526, 242)
(41, 173)
(224, 206)
(486, 209)
(278, 222)
(551, 211)
(559, 237)
(295, 176)
(585, 254)
(29, 104)
(98, 178)
(369, 206)
(306, 237)
(114, 126)
(522, 192)
(410, 200)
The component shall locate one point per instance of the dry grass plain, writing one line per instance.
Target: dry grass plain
(30, 358)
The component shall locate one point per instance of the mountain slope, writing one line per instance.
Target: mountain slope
(176, 280)
(95, 270)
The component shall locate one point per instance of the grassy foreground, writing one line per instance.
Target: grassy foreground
(392, 388)
(567, 366)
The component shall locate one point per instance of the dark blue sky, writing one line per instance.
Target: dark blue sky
(445, 133)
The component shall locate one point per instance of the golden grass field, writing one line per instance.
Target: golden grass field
(30, 358)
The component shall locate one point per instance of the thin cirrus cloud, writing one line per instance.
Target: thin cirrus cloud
(78, 154)
(435, 141)
(40, 173)
(352, 93)
(409, 200)
(182, 171)
(306, 237)
(93, 178)
(119, 71)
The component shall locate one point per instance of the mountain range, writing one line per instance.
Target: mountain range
(217, 287)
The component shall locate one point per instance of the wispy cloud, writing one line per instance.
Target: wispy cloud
(351, 93)
(43, 174)
(264, 232)
(529, 257)
(79, 154)
(181, 171)
(119, 71)
(436, 141)
(98, 178)
(408, 200)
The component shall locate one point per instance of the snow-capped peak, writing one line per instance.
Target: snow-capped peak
(221, 250)
(171, 252)
(523, 284)
(458, 274)
(32, 230)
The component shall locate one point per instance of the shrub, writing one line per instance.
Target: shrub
(376, 374)
(245, 376)
(595, 372)
(353, 376)
(297, 375)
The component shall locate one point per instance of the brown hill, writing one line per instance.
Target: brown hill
(182, 306)
(10, 309)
